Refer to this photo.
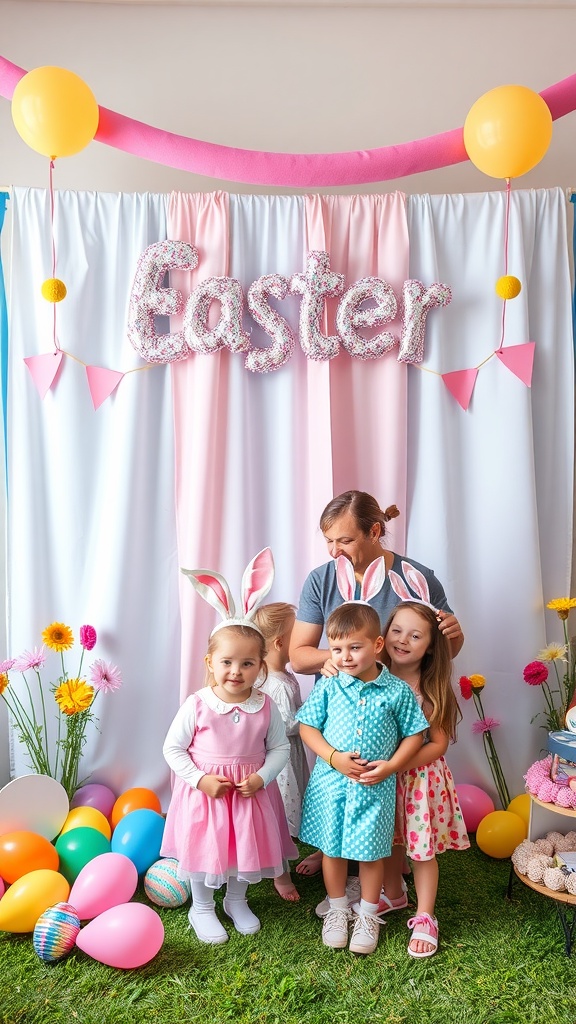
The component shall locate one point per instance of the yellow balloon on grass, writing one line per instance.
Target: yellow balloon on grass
(54, 111)
(508, 131)
(28, 898)
(520, 805)
(87, 817)
(500, 832)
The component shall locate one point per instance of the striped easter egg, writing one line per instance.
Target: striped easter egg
(55, 932)
(162, 885)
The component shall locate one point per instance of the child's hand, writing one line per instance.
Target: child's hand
(376, 771)
(251, 785)
(349, 763)
(215, 785)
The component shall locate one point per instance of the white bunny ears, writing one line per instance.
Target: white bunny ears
(371, 583)
(256, 582)
(416, 581)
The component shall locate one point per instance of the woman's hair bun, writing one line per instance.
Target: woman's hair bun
(391, 512)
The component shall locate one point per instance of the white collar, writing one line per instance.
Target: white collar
(221, 707)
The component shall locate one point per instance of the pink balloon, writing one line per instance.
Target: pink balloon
(104, 882)
(2, 888)
(475, 805)
(94, 795)
(126, 936)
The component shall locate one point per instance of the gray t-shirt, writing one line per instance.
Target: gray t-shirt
(320, 594)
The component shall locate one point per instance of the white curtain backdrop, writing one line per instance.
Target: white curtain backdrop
(91, 529)
(91, 517)
(490, 489)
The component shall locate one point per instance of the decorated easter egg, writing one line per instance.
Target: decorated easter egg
(163, 886)
(55, 932)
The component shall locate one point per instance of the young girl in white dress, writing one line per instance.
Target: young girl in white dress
(275, 622)
(429, 819)
(226, 823)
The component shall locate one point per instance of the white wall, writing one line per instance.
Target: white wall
(286, 79)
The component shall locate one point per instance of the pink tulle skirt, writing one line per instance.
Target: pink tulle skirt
(215, 838)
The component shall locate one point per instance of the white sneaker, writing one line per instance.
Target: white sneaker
(244, 920)
(335, 928)
(207, 926)
(352, 892)
(366, 931)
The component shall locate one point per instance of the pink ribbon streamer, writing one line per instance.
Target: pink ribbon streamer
(287, 170)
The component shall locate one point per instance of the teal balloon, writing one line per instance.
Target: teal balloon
(78, 847)
(138, 835)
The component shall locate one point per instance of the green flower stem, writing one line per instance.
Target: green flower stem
(496, 768)
(30, 739)
(44, 720)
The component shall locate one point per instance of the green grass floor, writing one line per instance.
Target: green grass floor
(499, 962)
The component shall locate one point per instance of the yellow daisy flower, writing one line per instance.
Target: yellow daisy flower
(562, 605)
(74, 695)
(3, 681)
(478, 682)
(552, 652)
(58, 637)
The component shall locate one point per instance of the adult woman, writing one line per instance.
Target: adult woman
(354, 525)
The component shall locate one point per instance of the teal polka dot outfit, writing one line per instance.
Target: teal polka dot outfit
(341, 817)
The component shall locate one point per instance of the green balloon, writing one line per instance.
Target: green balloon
(77, 847)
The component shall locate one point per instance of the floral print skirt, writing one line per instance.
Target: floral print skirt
(429, 819)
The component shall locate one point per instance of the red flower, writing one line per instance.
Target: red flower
(465, 687)
(535, 673)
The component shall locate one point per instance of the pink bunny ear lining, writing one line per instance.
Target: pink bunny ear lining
(416, 581)
(345, 578)
(215, 585)
(257, 579)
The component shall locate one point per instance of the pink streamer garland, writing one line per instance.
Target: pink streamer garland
(288, 170)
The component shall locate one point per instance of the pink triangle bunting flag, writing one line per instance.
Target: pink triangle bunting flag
(519, 359)
(460, 384)
(44, 369)
(102, 383)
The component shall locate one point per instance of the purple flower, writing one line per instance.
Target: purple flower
(485, 725)
(5, 666)
(105, 677)
(535, 673)
(30, 659)
(88, 637)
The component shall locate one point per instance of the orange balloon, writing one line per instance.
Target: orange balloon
(87, 817)
(28, 898)
(134, 800)
(21, 852)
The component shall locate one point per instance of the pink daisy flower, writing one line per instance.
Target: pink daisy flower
(30, 659)
(485, 725)
(5, 666)
(105, 677)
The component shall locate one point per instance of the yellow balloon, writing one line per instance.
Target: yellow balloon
(508, 131)
(520, 805)
(29, 896)
(500, 832)
(87, 817)
(54, 111)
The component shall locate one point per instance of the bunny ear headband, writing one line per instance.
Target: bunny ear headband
(256, 583)
(416, 581)
(372, 582)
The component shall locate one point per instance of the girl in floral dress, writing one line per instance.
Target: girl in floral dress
(428, 815)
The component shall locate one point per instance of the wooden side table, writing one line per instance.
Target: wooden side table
(551, 818)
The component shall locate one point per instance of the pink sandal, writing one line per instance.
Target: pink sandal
(385, 906)
(418, 924)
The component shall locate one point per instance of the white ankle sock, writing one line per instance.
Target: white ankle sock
(202, 915)
(236, 907)
(338, 902)
(368, 908)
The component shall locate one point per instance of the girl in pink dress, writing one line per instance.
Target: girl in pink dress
(428, 815)
(226, 822)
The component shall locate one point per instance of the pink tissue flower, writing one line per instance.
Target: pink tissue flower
(5, 666)
(88, 637)
(105, 677)
(485, 725)
(30, 659)
(535, 673)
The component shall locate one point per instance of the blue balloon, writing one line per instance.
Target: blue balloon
(138, 835)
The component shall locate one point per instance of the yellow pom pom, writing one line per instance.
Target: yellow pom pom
(508, 287)
(53, 290)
